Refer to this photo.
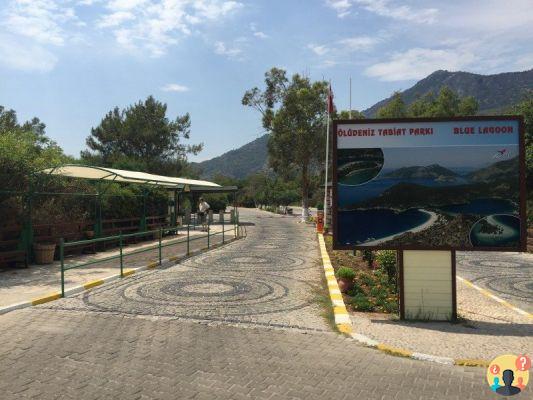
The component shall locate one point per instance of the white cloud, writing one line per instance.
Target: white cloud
(223, 49)
(174, 87)
(417, 63)
(319, 50)
(257, 33)
(385, 8)
(25, 57)
(154, 26)
(342, 7)
(359, 42)
(115, 19)
(261, 35)
(39, 20)
(338, 52)
(391, 9)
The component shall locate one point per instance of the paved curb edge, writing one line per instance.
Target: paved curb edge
(344, 323)
(166, 262)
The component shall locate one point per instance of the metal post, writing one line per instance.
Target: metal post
(222, 227)
(62, 258)
(98, 213)
(26, 236)
(143, 217)
(326, 168)
(208, 227)
(160, 238)
(188, 234)
(120, 243)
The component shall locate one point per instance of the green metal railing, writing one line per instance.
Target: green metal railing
(237, 233)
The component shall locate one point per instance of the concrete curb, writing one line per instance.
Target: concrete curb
(167, 262)
(342, 318)
(344, 323)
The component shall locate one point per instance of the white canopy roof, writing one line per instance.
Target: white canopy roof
(119, 175)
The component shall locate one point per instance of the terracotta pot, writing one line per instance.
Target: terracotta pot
(44, 252)
(345, 284)
(89, 234)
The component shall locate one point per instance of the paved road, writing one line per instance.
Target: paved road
(507, 275)
(241, 322)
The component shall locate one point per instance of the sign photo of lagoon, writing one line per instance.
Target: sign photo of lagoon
(429, 184)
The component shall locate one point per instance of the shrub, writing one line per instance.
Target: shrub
(355, 290)
(387, 262)
(362, 303)
(368, 256)
(346, 273)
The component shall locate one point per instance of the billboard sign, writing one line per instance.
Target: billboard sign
(429, 184)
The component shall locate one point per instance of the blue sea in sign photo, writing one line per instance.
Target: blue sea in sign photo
(508, 233)
(368, 213)
(377, 224)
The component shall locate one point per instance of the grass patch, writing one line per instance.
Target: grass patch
(323, 300)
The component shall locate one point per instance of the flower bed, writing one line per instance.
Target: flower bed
(373, 288)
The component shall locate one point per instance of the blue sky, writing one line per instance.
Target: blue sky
(70, 61)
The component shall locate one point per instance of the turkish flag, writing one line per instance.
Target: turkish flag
(330, 100)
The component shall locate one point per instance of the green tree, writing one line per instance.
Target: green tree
(24, 150)
(141, 137)
(294, 113)
(525, 108)
(395, 108)
(345, 114)
(446, 104)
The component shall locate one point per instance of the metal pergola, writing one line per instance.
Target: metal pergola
(102, 175)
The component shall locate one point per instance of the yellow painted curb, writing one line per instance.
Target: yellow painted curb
(471, 363)
(394, 350)
(46, 299)
(345, 328)
(152, 265)
(93, 284)
(128, 272)
(339, 309)
(173, 258)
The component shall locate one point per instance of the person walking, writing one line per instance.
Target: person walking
(203, 210)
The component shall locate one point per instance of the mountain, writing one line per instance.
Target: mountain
(499, 171)
(494, 93)
(238, 163)
(434, 171)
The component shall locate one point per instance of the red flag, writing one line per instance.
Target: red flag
(330, 100)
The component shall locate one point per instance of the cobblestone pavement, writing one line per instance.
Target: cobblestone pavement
(164, 335)
(17, 285)
(507, 275)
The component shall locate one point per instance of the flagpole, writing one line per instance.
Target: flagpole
(327, 157)
(350, 110)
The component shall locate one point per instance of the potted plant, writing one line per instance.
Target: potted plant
(345, 277)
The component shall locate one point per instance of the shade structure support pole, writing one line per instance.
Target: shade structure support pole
(26, 237)
(142, 225)
(98, 212)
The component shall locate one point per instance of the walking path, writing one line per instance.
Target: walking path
(18, 285)
(486, 328)
(507, 275)
(204, 330)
